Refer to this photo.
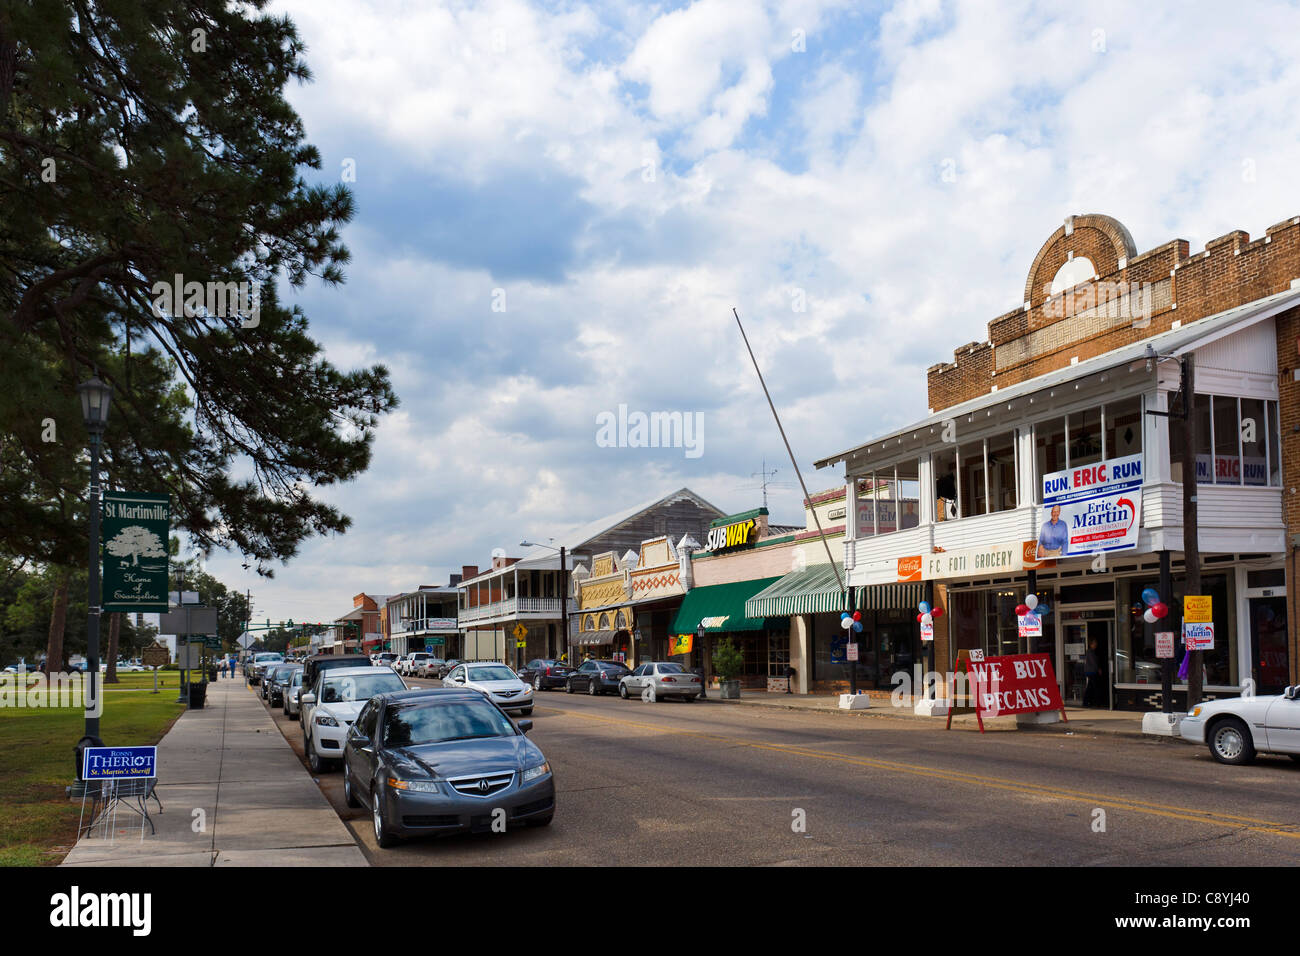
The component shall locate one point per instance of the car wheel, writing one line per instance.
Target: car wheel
(526, 711)
(591, 687)
(382, 836)
(537, 682)
(314, 760)
(1230, 742)
(568, 687)
(622, 690)
(349, 795)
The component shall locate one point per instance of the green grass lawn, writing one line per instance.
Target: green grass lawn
(38, 823)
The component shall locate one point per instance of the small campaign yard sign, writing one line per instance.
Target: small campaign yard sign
(119, 763)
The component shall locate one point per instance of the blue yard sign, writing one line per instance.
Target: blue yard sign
(119, 763)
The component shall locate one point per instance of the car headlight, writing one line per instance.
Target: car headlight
(1196, 711)
(325, 720)
(414, 786)
(541, 770)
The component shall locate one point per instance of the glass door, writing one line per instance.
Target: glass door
(1268, 648)
(1075, 646)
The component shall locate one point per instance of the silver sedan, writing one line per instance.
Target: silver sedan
(657, 680)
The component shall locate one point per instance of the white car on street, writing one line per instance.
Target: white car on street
(332, 705)
(495, 681)
(1237, 728)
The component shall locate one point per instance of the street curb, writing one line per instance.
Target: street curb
(1057, 728)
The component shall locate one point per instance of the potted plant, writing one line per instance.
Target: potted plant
(728, 662)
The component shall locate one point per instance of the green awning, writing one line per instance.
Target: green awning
(719, 608)
(815, 590)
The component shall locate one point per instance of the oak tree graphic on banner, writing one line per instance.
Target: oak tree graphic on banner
(136, 542)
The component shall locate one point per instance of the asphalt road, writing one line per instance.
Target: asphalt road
(714, 783)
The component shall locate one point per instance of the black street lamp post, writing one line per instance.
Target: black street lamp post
(95, 398)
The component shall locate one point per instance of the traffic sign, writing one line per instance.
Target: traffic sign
(520, 632)
(521, 643)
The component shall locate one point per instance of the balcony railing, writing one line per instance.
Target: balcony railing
(513, 607)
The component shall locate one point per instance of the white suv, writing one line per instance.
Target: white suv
(330, 707)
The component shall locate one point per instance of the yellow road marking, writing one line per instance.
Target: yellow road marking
(994, 783)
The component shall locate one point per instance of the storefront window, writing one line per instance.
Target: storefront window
(907, 492)
(1135, 652)
(1085, 437)
(1227, 448)
(1274, 446)
(944, 464)
(1254, 442)
(1049, 450)
(1002, 472)
(1002, 630)
(1124, 427)
(1201, 415)
(971, 495)
(778, 654)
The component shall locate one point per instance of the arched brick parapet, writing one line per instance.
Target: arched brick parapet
(1102, 239)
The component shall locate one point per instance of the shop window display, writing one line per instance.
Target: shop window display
(1135, 652)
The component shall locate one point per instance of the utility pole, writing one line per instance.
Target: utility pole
(564, 604)
(1191, 537)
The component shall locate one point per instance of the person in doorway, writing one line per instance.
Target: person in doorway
(1092, 671)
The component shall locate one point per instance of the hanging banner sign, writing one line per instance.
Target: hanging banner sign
(1091, 509)
(134, 533)
(927, 632)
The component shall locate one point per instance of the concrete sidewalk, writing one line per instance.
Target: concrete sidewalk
(1079, 720)
(260, 806)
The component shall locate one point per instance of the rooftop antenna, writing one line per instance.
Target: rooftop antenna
(764, 476)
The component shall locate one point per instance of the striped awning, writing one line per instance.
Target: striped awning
(815, 590)
(586, 638)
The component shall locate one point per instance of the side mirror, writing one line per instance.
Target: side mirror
(360, 740)
(525, 725)
(308, 698)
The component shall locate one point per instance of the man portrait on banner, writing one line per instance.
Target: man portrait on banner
(1053, 537)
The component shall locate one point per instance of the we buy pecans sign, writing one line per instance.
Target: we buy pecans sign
(1014, 684)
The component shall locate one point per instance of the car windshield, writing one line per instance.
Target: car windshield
(359, 687)
(610, 666)
(443, 721)
(670, 668)
(492, 672)
(296, 680)
(263, 658)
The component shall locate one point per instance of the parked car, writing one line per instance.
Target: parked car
(545, 673)
(439, 761)
(429, 667)
(1237, 728)
(312, 667)
(292, 692)
(334, 703)
(277, 681)
(257, 667)
(385, 659)
(496, 682)
(659, 680)
(446, 668)
(401, 663)
(417, 658)
(596, 677)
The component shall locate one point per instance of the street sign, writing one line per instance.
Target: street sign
(212, 641)
(1165, 644)
(188, 620)
(521, 643)
(520, 632)
(853, 652)
(134, 538)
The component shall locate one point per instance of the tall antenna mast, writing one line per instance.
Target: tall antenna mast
(764, 475)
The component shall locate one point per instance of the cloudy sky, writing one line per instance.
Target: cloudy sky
(560, 203)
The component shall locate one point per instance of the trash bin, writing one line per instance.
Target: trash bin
(198, 693)
(212, 673)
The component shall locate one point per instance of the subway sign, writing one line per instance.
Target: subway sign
(731, 536)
